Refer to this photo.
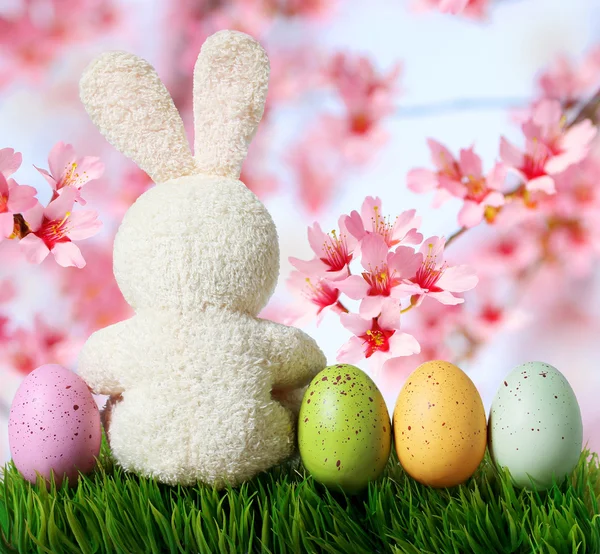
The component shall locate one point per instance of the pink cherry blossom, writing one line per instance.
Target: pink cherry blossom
(550, 147)
(446, 175)
(27, 349)
(434, 278)
(402, 231)
(378, 338)
(512, 248)
(474, 9)
(462, 178)
(479, 193)
(7, 291)
(319, 292)
(368, 97)
(570, 82)
(14, 199)
(10, 161)
(53, 229)
(69, 170)
(334, 252)
(314, 164)
(95, 298)
(384, 272)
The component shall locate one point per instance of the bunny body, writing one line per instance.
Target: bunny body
(202, 389)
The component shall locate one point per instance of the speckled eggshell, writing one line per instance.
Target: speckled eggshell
(535, 426)
(344, 430)
(439, 425)
(54, 423)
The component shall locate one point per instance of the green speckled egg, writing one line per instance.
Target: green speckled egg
(344, 430)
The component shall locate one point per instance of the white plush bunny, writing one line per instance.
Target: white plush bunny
(202, 390)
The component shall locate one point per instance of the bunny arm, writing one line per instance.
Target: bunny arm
(295, 357)
(108, 357)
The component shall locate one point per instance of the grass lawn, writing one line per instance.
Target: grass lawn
(284, 510)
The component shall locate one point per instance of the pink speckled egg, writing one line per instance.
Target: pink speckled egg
(54, 424)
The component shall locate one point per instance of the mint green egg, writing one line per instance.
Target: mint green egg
(344, 429)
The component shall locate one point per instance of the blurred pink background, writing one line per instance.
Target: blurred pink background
(457, 79)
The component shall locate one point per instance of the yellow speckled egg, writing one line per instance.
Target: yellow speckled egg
(440, 427)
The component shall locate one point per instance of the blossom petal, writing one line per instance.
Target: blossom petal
(34, 216)
(545, 183)
(10, 161)
(61, 156)
(92, 167)
(374, 251)
(354, 287)
(352, 352)
(317, 239)
(440, 155)
(34, 248)
(441, 196)
(470, 214)
(354, 225)
(58, 208)
(510, 154)
(369, 208)
(83, 225)
(67, 254)
(403, 344)
(405, 261)
(445, 297)
(421, 180)
(51, 180)
(7, 225)
(470, 163)
(496, 177)
(370, 306)
(458, 278)
(355, 324)
(494, 199)
(21, 198)
(310, 267)
(390, 315)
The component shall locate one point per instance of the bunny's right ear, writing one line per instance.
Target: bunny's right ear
(230, 86)
(132, 108)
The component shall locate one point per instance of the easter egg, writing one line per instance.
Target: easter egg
(344, 431)
(439, 425)
(535, 427)
(54, 424)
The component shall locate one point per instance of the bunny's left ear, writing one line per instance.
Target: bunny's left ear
(134, 111)
(230, 87)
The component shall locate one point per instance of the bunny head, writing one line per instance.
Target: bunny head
(199, 237)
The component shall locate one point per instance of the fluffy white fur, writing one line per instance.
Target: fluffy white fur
(132, 108)
(201, 389)
(231, 78)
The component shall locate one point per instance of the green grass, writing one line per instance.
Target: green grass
(284, 510)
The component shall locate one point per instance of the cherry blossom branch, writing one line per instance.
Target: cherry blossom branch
(456, 235)
(589, 110)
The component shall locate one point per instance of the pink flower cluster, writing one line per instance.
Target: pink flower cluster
(393, 278)
(474, 9)
(551, 147)
(32, 37)
(52, 228)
